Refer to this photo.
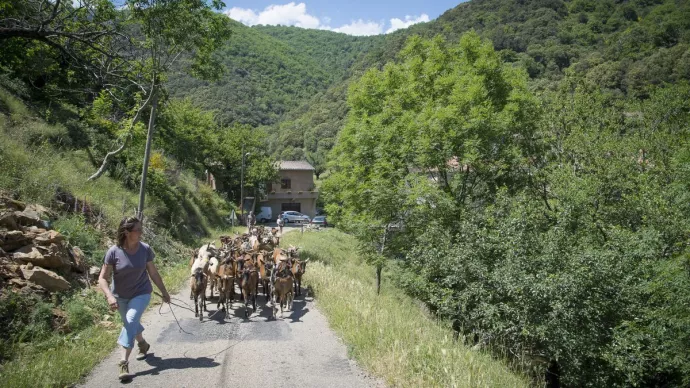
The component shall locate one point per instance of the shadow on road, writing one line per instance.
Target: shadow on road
(299, 309)
(161, 364)
(263, 309)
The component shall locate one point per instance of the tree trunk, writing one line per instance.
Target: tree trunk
(378, 279)
(147, 155)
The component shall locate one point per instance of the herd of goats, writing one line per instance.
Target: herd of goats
(247, 259)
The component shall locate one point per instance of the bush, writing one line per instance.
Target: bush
(22, 319)
(83, 235)
(79, 316)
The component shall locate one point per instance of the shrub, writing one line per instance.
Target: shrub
(79, 316)
(83, 235)
(22, 318)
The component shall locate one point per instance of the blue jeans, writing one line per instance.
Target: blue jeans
(130, 312)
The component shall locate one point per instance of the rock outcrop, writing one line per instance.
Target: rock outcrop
(45, 278)
(32, 257)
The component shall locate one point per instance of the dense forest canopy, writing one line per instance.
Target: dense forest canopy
(527, 181)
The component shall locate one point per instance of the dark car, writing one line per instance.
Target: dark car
(320, 220)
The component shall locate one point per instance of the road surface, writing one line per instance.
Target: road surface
(297, 351)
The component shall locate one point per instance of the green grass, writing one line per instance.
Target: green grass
(35, 172)
(59, 361)
(388, 334)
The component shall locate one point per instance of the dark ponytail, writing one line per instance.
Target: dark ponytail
(126, 225)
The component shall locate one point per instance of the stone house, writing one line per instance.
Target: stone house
(294, 190)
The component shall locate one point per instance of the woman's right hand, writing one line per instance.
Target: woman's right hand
(113, 303)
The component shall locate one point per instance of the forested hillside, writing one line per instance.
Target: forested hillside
(294, 81)
(271, 71)
(623, 47)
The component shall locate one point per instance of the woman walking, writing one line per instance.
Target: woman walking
(130, 263)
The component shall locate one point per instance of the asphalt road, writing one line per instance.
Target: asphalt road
(297, 351)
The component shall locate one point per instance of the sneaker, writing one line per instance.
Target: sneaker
(124, 370)
(143, 349)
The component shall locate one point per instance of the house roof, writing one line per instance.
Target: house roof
(295, 165)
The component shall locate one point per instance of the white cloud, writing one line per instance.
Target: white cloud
(397, 24)
(361, 27)
(245, 16)
(292, 14)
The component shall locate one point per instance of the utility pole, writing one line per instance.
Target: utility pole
(242, 188)
(242, 185)
(147, 155)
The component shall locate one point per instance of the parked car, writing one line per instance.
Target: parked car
(265, 215)
(320, 220)
(293, 216)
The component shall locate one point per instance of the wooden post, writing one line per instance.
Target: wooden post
(379, 266)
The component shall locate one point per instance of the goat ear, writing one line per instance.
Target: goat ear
(306, 261)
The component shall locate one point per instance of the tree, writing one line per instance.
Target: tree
(167, 30)
(318, 161)
(82, 45)
(426, 136)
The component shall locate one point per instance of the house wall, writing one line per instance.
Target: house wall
(299, 181)
(301, 191)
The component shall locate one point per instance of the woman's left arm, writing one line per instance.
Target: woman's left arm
(157, 280)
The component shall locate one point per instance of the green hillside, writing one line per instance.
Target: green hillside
(625, 48)
(271, 71)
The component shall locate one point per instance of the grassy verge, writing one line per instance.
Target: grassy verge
(388, 334)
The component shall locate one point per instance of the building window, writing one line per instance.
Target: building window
(284, 183)
(294, 206)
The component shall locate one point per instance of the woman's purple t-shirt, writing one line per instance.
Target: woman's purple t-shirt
(130, 277)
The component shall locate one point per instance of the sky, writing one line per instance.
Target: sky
(354, 17)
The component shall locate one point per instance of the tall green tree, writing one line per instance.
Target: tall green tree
(163, 31)
(425, 136)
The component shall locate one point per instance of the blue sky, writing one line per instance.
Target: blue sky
(355, 17)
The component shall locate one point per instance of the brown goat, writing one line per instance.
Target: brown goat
(265, 268)
(198, 284)
(282, 292)
(249, 283)
(226, 284)
(298, 268)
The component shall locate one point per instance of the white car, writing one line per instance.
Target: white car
(293, 216)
